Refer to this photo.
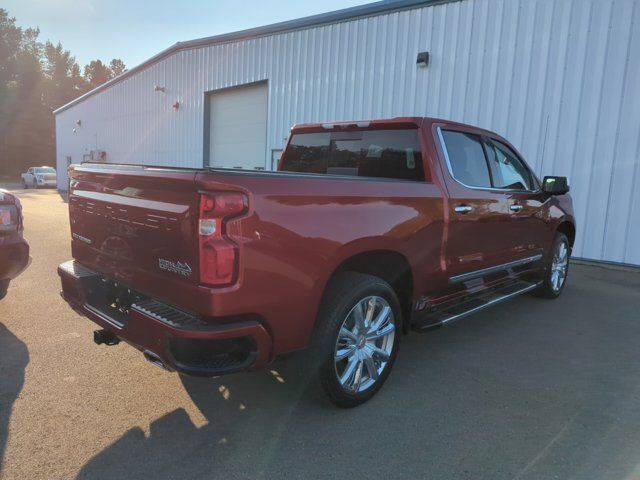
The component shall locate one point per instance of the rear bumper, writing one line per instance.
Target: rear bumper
(14, 259)
(181, 341)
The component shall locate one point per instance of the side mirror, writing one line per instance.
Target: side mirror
(555, 185)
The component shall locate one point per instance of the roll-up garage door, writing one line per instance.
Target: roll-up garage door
(238, 127)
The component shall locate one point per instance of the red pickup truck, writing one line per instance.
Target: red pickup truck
(14, 250)
(368, 230)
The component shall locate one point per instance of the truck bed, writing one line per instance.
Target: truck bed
(137, 225)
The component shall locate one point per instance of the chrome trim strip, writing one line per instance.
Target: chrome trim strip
(497, 268)
(443, 145)
(490, 303)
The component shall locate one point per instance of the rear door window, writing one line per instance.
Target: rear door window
(466, 159)
(370, 153)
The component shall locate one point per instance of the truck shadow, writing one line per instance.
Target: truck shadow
(276, 423)
(531, 389)
(14, 358)
(245, 415)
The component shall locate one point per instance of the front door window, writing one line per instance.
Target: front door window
(507, 171)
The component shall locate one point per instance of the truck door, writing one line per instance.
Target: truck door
(480, 238)
(519, 185)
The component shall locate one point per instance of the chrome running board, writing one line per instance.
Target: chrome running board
(439, 318)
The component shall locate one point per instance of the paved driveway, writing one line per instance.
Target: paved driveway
(533, 389)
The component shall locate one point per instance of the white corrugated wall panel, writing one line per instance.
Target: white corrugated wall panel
(559, 78)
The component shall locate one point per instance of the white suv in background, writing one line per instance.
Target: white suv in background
(37, 177)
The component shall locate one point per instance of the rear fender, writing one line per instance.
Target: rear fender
(349, 251)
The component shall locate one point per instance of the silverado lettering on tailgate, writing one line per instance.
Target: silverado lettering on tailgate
(127, 216)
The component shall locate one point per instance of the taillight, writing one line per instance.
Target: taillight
(218, 253)
(9, 217)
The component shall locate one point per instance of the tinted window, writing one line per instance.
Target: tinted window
(466, 157)
(506, 168)
(307, 153)
(369, 153)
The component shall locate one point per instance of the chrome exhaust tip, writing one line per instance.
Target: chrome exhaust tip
(155, 359)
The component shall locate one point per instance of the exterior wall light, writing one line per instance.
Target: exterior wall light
(176, 105)
(423, 59)
(79, 123)
(158, 88)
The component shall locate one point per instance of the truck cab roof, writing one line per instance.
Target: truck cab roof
(383, 124)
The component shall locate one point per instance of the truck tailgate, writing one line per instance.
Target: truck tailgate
(136, 226)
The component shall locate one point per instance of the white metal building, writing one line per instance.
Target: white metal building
(559, 78)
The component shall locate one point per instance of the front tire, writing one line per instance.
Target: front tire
(557, 268)
(357, 337)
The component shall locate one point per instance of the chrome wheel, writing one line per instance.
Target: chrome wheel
(365, 344)
(559, 266)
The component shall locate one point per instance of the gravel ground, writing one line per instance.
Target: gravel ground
(532, 389)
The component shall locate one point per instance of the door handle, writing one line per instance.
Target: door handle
(515, 208)
(463, 208)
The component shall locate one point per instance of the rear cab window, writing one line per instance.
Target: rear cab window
(392, 154)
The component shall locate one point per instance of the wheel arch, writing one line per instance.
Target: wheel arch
(391, 266)
(569, 229)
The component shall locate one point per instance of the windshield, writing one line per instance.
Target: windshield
(45, 170)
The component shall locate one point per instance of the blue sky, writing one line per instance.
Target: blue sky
(135, 30)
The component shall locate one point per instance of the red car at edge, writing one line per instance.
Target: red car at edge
(14, 250)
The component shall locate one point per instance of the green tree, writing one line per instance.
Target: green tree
(62, 74)
(25, 127)
(10, 37)
(117, 67)
(35, 79)
(96, 73)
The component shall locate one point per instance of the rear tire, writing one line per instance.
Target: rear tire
(556, 268)
(357, 337)
(4, 287)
